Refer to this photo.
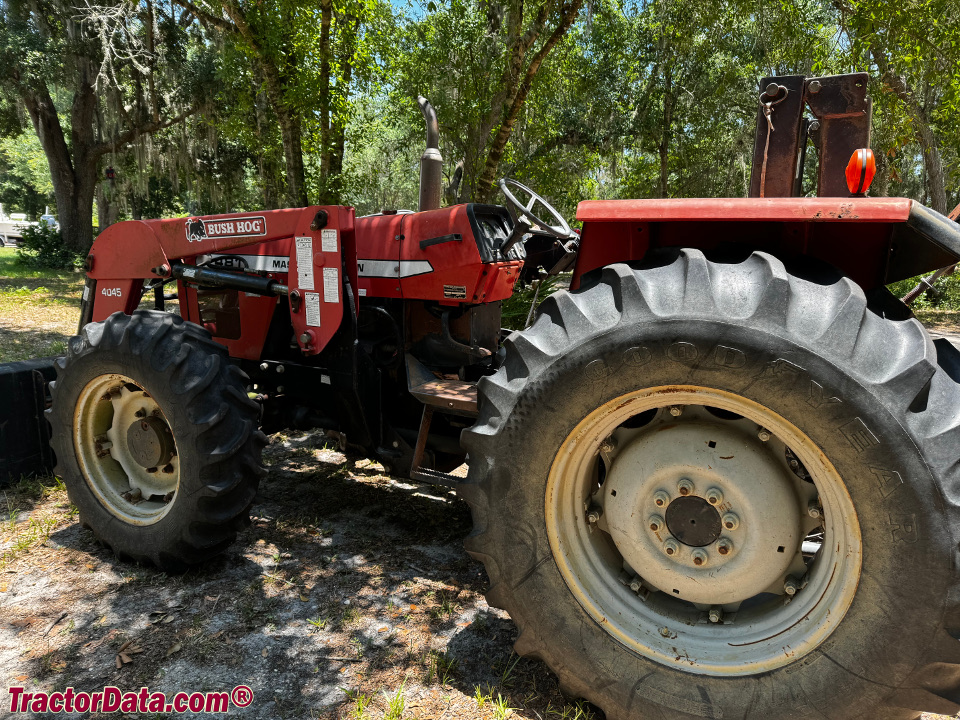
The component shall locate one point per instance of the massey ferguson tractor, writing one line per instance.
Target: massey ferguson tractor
(718, 477)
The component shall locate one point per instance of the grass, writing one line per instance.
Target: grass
(20, 536)
(39, 309)
(396, 704)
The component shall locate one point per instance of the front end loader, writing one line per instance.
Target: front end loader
(716, 478)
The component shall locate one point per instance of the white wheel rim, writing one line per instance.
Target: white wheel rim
(754, 634)
(136, 493)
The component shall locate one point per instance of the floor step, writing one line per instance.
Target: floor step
(435, 477)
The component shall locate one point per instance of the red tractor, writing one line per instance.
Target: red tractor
(718, 477)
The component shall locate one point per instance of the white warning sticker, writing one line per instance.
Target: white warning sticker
(363, 292)
(311, 301)
(325, 379)
(328, 240)
(331, 285)
(305, 264)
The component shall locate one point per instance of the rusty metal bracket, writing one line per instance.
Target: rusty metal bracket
(783, 149)
(843, 110)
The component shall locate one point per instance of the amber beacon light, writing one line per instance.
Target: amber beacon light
(860, 171)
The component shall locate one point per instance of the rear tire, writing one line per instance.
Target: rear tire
(876, 399)
(155, 438)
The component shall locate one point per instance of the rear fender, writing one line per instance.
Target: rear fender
(874, 241)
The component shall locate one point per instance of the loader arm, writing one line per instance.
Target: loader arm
(309, 247)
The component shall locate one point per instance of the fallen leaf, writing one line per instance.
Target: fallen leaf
(126, 658)
(119, 662)
(304, 598)
(135, 649)
(208, 598)
(168, 619)
(3, 587)
(176, 647)
(383, 629)
(413, 607)
(265, 652)
(21, 678)
(125, 646)
(91, 566)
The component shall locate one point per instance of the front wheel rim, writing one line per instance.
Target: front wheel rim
(126, 449)
(603, 558)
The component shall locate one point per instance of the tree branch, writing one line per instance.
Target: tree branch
(207, 17)
(115, 143)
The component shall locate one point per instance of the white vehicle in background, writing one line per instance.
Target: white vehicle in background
(11, 226)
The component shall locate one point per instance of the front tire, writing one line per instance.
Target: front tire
(835, 444)
(155, 438)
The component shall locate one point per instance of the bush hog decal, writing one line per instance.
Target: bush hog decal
(199, 229)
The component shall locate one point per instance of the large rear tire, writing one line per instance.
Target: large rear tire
(640, 412)
(155, 438)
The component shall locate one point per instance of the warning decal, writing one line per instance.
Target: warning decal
(305, 263)
(311, 302)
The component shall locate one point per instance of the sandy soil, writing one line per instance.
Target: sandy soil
(349, 596)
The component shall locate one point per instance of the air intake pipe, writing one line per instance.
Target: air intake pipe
(431, 162)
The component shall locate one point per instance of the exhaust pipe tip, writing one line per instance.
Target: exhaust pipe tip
(431, 162)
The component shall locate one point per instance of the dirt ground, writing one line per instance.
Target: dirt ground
(349, 596)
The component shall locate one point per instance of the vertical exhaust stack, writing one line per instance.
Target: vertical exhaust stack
(431, 162)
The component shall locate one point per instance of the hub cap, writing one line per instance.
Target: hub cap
(678, 522)
(126, 449)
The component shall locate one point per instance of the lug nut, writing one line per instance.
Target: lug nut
(676, 410)
(593, 516)
(656, 523)
(264, 367)
(715, 615)
(684, 487)
(670, 546)
(699, 557)
(714, 496)
(724, 546)
(660, 498)
(636, 585)
(814, 511)
(764, 434)
(790, 586)
(730, 521)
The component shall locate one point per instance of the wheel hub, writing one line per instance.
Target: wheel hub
(693, 521)
(150, 442)
(703, 512)
(126, 449)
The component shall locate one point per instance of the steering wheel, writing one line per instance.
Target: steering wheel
(560, 230)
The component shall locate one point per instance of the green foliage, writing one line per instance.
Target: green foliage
(43, 248)
(516, 308)
(945, 295)
(637, 99)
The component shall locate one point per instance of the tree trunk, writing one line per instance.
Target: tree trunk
(73, 184)
(516, 99)
(662, 186)
(293, 156)
(289, 121)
